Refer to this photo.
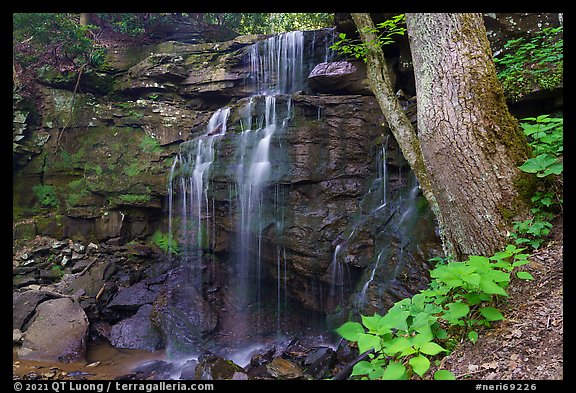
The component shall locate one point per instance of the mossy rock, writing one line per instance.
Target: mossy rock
(212, 367)
(24, 230)
(90, 80)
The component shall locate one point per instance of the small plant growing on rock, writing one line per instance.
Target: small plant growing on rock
(165, 242)
(46, 195)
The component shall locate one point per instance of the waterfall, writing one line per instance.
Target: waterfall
(195, 160)
(277, 69)
(336, 277)
(277, 64)
(252, 175)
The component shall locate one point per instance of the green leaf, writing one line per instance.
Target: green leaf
(540, 164)
(524, 276)
(520, 263)
(481, 263)
(351, 331)
(555, 169)
(422, 322)
(498, 276)
(367, 342)
(362, 368)
(444, 375)
(423, 336)
(395, 318)
(473, 336)
(394, 371)
(396, 345)
(372, 323)
(491, 288)
(491, 314)
(458, 310)
(376, 373)
(447, 275)
(420, 364)
(431, 348)
(472, 279)
(513, 249)
(474, 298)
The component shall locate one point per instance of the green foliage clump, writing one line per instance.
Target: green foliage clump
(54, 38)
(46, 195)
(462, 297)
(460, 300)
(385, 32)
(525, 63)
(130, 24)
(135, 198)
(165, 242)
(270, 23)
(545, 136)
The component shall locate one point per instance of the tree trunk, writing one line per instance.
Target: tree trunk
(85, 18)
(399, 124)
(470, 143)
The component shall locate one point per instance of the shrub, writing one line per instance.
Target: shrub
(46, 195)
(460, 299)
(526, 62)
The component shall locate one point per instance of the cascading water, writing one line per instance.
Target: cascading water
(255, 204)
(195, 159)
(277, 68)
(277, 64)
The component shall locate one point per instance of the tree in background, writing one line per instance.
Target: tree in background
(58, 39)
(270, 23)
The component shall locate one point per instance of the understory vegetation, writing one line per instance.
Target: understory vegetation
(533, 62)
(463, 297)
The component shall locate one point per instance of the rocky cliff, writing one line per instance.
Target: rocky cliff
(93, 162)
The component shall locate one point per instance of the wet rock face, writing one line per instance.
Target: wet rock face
(181, 314)
(105, 181)
(137, 332)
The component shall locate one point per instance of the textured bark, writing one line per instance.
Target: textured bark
(400, 125)
(85, 18)
(470, 143)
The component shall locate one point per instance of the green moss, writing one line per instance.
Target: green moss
(135, 198)
(133, 169)
(66, 161)
(526, 185)
(46, 195)
(506, 213)
(150, 145)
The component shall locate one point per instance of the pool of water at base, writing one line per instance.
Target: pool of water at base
(103, 362)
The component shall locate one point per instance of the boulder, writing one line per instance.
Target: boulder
(281, 368)
(58, 332)
(135, 296)
(23, 306)
(136, 332)
(319, 362)
(340, 78)
(182, 315)
(212, 367)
